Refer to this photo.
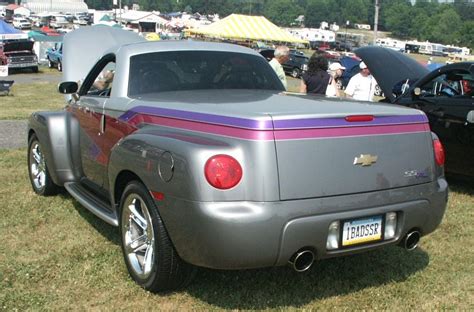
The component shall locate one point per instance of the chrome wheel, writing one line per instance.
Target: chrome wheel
(138, 236)
(295, 73)
(37, 167)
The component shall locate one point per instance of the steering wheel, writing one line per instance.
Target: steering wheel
(448, 90)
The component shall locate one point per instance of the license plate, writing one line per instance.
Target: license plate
(362, 231)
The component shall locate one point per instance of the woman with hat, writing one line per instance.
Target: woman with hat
(335, 71)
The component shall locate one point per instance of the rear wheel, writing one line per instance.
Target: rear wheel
(147, 249)
(38, 170)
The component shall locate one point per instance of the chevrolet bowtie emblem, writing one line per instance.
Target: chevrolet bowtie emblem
(365, 160)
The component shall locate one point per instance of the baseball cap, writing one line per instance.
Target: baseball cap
(362, 65)
(335, 66)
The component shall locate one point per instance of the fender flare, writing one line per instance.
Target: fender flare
(58, 133)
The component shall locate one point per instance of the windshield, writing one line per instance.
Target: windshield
(199, 70)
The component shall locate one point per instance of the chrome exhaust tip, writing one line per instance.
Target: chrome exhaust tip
(410, 242)
(302, 260)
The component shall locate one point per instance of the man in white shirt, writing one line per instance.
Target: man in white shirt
(361, 87)
(281, 55)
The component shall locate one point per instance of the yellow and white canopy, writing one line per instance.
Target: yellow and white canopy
(244, 27)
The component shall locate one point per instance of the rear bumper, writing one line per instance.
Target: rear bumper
(237, 235)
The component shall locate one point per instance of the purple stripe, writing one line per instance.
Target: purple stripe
(200, 117)
(341, 122)
(267, 124)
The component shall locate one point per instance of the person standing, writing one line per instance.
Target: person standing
(280, 56)
(316, 79)
(361, 87)
(335, 71)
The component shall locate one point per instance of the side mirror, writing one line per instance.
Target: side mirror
(417, 91)
(470, 117)
(68, 87)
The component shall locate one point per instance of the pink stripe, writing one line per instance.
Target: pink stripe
(262, 135)
(347, 132)
(203, 127)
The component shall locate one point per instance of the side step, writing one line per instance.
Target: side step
(95, 205)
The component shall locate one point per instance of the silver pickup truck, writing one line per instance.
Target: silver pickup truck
(198, 156)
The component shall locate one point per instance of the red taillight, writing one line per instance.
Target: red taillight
(223, 171)
(359, 118)
(439, 152)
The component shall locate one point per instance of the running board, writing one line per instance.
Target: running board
(87, 199)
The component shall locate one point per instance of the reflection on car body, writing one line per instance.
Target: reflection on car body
(200, 159)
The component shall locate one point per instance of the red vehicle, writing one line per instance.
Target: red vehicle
(18, 54)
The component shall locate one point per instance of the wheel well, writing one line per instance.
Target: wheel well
(30, 134)
(123, 178)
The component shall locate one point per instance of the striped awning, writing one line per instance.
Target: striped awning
(244, 27)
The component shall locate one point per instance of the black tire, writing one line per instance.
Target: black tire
(38, 171)
(296, 72)
(164, 270)
(60, 66)
(50, 64)
(35, 69)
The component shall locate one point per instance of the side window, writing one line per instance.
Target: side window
(103, 81)
(456, 83)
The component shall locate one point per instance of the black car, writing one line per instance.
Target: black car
(446, 95)
(295, 66)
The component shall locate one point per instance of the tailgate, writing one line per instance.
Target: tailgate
(352, 154)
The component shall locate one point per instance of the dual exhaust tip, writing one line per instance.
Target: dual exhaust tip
(302, 260)
(410, 242)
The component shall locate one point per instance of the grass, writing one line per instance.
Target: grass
(56, 255)
(25, 99)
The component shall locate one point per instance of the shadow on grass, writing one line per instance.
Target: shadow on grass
(282, 287)
(106, 230)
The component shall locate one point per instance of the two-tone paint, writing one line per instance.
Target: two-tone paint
(297, 156)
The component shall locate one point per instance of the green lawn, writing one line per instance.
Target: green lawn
(25, 99)
(54, 254)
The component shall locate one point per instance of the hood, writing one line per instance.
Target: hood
(96, 40)
(390, 67)
(23, 45)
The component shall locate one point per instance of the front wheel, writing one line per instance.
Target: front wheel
(50, 64)
(60, 66)
(147, 249)
(38, 170)
(295, 73)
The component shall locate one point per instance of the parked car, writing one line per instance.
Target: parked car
(445, 95)
(54, 56)
(58, 21)
(21, 23)
(193, 150)
(18, 54)
(295, 66)
(80, 21)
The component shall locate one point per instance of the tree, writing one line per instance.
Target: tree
(398, 19)
(282, 12)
